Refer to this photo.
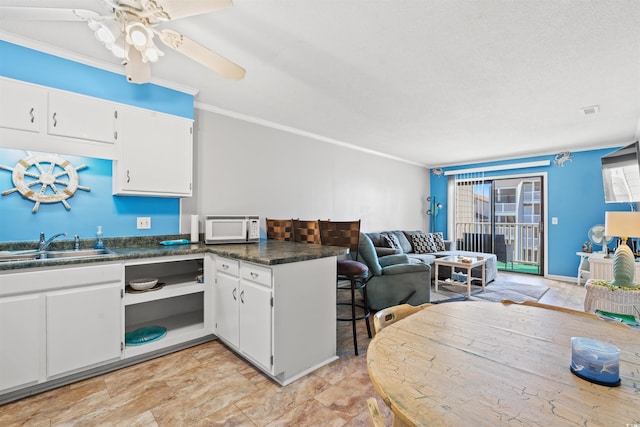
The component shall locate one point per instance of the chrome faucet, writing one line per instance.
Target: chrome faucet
(44, 245)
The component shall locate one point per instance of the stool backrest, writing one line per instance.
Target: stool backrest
(341, 233)
(279, 229)
(306, 231)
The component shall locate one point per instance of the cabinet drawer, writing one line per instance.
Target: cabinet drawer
(256, 273)
(226, 265)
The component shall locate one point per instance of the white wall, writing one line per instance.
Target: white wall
(246, 168)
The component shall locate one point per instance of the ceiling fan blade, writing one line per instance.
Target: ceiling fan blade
(46, 14)
(136, 70)
(174, 9)
(201, 54)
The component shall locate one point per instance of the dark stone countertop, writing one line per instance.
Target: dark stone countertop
(267, 252)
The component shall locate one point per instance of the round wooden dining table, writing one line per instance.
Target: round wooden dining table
(488, 364)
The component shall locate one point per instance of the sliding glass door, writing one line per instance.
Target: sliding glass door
(501, 216)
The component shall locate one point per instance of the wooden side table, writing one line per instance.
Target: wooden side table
(620, 301)
(455, 262)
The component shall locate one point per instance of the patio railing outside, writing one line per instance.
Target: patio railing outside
(525, 238)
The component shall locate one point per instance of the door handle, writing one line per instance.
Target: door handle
(33, 118)
(55, 120)
(242, 297)
(234, 294)
(128, 177)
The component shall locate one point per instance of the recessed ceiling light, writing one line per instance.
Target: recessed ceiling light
(589, 111)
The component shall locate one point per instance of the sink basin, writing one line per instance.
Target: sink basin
(83, 253)
(33, 254)
(27, 255)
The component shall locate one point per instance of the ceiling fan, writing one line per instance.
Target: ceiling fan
(129, 32)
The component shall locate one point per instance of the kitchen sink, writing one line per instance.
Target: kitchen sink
(33, 255)
(82, 253)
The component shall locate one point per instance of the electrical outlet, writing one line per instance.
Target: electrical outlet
(144, 222)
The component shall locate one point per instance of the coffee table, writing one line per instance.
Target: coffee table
(456, 262)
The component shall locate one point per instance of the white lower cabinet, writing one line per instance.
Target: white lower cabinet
(83, 327)
(281, 318)
(244, 311)
(22, 330)
(57, 322)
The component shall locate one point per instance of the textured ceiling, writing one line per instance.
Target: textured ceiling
(431, 82)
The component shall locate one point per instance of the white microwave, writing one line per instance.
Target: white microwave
(231, 229)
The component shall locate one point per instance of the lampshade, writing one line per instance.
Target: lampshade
(622, 224)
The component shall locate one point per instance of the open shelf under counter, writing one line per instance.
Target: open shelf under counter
(180, 328)
(175, 285)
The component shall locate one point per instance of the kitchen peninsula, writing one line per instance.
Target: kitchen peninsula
(64, 319)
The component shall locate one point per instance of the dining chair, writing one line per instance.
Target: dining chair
(374, 413)
(391, 315)
(352, 274)
(279, 229)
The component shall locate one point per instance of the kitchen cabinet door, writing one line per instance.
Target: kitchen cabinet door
(22, 106)
(83, 327)
(22, 340)
(82, 117)
(255, 322)
(227, 308)
(155, 154)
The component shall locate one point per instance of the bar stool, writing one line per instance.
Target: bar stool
(347, 234)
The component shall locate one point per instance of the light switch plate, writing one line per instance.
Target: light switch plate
(144, 223)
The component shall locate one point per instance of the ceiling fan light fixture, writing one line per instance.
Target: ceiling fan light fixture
(138, 35)
(151, 54)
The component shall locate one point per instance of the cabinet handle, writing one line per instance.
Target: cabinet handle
(242, 297)
(55, 120)
(234, 294)
(254, 275)
(128, 177)
(225, 266)
(33, 118)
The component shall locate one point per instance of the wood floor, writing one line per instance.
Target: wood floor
(208, 385)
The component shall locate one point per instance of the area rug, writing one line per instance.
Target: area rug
(495, 291)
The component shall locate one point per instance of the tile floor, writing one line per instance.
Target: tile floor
(208, 385)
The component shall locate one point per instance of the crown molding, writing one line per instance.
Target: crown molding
(296, 131)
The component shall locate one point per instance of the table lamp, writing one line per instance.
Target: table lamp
(623, 225)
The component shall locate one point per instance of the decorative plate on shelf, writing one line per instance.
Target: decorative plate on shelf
(157, 287)
(145, 335)
(143, 283)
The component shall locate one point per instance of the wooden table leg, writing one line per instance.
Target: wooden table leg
(436, 278)
(468, 282)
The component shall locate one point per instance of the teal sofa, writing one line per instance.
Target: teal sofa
(393, 279)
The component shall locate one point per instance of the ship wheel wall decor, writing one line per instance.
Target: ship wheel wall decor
(45, 178)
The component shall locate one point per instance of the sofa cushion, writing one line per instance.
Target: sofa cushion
(404, 241)
(438, 241)
(423, 243)
(422, 258)
(387, 251)
(390, 240)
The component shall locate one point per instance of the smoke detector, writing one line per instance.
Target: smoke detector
(590, 111)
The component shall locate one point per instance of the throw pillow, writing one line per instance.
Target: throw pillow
(391, 241)
(423, 243)
(438, 240)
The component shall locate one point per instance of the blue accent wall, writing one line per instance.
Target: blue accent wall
(117, 214)
(575, 196)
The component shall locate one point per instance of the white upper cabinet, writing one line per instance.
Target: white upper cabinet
(83, 117)
(22, 107)
(154, 155)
